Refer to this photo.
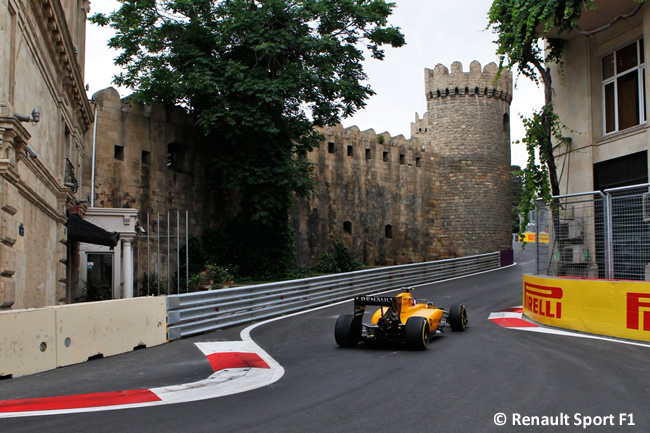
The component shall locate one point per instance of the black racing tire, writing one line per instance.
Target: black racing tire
(416, 333)
(458, 317)
(347, 331)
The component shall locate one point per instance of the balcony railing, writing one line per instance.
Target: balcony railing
(69, 179)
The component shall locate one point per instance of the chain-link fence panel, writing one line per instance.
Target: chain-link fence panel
(596, 234)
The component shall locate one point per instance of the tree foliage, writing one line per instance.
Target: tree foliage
(521, 26)
(257, 76)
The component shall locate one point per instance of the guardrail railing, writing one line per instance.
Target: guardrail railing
(194, 313)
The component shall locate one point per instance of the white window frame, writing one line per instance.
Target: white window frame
(640, 68)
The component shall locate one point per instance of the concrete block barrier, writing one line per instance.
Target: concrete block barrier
(42, 339)
(108, 328)
(27, 341)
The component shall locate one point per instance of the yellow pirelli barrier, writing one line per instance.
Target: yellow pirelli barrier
(532, 238)
(604, 307)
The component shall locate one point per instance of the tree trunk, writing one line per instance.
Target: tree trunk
(548, 126)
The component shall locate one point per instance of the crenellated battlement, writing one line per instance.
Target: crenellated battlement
(440, 82)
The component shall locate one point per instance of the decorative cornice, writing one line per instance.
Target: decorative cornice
(12, 129)
(34, 198)
(9, 172)
(61, 41)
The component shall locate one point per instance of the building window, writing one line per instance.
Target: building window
(119, 153)
(146, 158)
(347, 227)
(330, 147)
(418, 161)
(175, 156)
(402, 159)
(624, 88)
(368, 154)
(385, 156)
(388, 231)
(350, 150)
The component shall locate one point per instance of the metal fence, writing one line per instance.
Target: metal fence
(598, 234)
(194, 313)
(161, 253)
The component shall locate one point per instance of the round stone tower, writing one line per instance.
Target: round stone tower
(467, 127)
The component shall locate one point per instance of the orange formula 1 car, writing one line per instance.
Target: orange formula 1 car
(398, 319)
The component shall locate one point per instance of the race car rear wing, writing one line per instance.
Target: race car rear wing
(374, 300)
(360, 303)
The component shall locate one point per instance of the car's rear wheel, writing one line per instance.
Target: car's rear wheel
(458, 317)
(347, 331)
(416, 333)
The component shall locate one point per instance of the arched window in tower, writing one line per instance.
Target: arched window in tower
(506, 122)
(388, 231)
(347, 227)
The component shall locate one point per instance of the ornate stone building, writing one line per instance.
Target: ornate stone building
(44, 118)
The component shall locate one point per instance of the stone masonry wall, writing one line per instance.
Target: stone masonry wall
(468, 125)
(147, 159)
(374, 192)
(443, 193)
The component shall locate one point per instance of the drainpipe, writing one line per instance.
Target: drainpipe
(92, 176)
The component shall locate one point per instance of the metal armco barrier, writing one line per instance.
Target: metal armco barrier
(194, 313)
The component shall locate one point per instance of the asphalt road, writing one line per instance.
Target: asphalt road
(460, 383)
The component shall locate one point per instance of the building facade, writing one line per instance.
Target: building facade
(600, 95)
(44, 119)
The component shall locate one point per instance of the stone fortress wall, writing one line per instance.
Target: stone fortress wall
(467, 125)
(147, 158)
(374, 192)
(443, 193)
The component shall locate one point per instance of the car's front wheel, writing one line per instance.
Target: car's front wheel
(416, 333)
(347, 331)
(458, 317)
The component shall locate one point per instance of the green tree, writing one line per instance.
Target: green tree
(521, 26)
(257, 76)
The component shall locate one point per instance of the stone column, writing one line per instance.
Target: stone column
(127, 268)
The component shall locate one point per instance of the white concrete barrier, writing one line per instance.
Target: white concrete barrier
(109, 328)
(27, 341)
(42, 339)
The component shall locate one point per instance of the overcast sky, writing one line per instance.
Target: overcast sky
(436, 32)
